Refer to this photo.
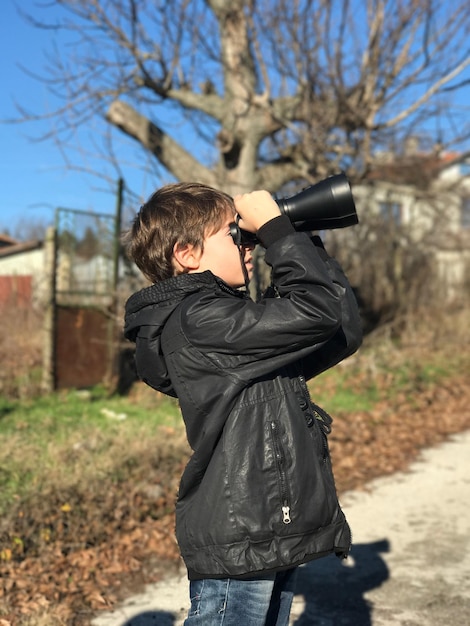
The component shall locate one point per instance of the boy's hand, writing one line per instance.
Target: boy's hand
(255, 209)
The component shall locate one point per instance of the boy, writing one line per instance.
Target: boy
(257, 497)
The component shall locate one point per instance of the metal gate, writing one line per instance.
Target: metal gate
(85, 280)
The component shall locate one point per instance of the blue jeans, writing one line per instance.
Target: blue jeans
(263, 601)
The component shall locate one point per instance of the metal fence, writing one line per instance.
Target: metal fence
(85, 272)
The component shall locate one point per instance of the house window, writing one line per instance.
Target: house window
(465, 213)
(390, 211)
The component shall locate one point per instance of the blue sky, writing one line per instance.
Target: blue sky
(34, 181)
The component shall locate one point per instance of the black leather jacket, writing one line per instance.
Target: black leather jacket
(258, 493)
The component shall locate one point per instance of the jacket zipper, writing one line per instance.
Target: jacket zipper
(285, 508)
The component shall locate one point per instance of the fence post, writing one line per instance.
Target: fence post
(48, 367)
(112, 339)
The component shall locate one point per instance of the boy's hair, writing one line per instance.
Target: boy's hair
(183, 213)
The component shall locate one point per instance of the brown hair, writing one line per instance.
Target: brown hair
(183, 213)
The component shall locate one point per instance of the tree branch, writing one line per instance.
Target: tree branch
(428, 94)
(170, 154)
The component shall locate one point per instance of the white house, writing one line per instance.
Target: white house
(429, 196)
(22, 271)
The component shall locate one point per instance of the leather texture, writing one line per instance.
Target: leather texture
(258, 493)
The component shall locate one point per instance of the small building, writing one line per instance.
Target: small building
(427, 196)
(22, 272)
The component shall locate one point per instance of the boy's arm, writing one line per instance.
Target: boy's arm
(260, 337)
(257, 338)
(348, 338)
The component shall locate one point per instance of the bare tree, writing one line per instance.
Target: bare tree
(245, 94)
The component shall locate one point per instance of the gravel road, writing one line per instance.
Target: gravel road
(410, 563)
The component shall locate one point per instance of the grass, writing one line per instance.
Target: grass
(56, 440)
(337, 391)
(374, 376)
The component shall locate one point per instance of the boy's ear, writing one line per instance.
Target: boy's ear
(187, 257)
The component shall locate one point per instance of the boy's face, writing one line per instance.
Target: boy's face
(222, 258)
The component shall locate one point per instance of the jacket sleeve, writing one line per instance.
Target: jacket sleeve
(253, 339)
(348, 337)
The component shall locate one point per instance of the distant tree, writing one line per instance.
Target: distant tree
(89, 245)
(67, 241)
(29, 229)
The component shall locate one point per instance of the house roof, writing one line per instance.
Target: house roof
(19, 246)
(6, 240)
(413, 168)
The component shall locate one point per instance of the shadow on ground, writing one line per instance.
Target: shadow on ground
(152, 618)
(334, 590)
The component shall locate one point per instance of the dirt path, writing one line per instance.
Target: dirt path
(410, 564)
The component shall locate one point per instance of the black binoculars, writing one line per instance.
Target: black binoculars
(326, 205)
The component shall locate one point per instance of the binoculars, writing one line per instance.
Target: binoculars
(326, 205)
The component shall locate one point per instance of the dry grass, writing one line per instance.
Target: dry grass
(20, 352)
